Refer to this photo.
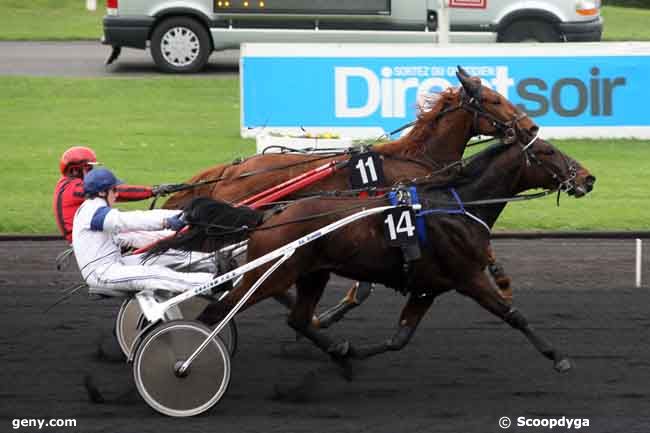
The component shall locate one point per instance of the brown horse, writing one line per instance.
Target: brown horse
(438, 138)
(454, 257)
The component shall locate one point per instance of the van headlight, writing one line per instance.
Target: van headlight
(588, 7)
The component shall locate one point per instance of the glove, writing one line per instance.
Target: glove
(176, 222)
(164, 189)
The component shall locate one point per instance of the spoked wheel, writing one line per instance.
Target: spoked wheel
(130, 321)
(158, 358)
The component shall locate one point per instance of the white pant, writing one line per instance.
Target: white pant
(131, 275)
(177, 260)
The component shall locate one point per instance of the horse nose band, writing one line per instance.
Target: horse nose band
(568, 185)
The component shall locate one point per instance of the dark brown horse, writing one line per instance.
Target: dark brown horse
(454, 256)
(438, 138)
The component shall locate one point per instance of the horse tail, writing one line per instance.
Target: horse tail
(213, 224)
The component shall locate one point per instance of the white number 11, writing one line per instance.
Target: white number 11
(362, 170)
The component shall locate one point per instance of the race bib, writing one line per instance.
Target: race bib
(366, 170)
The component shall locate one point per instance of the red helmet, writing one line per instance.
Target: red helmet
(76, 156)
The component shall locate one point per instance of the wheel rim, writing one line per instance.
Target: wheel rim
(154, 370)
(180, 46)
(130, 322)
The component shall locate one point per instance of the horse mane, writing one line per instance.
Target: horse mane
(414, 143)
(213, 224)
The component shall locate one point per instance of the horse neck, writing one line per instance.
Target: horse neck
(441, 141)
(502, 178)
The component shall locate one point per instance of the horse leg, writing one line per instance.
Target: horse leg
(415, 308)
(498, 274)
(358, 293)
(276, 284)
(309, 289)
(482, 292)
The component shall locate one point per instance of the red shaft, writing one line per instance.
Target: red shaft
(271, 194)
(254, 200)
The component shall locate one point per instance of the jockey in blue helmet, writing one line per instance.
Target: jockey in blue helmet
(100, 231)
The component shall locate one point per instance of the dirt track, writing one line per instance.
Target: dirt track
(462, 372)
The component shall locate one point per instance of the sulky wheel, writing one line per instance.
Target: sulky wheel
(156, 362)
(130, 322)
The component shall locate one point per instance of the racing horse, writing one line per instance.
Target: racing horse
(457, 216)
(437, 139)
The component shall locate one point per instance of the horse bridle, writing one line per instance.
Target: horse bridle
(473, 104)
(567, 184)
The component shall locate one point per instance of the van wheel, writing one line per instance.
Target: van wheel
(180, 45)
(529, 31)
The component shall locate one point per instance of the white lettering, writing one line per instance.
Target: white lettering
(386, 92)
(502, 82)
(389, 90)
(342, 107)
(399, 95)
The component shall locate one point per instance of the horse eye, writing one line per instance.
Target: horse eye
(548, 152)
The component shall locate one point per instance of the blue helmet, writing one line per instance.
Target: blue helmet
(99, 180)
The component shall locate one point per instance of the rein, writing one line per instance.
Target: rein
(469, 103)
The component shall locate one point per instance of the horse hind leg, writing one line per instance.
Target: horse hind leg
(309, 289)
(357, 294)
(482, 292)
(354, 297)
(416, 306)
(499, 276)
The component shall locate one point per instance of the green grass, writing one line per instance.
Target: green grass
(149, 131)
(165, 130)
(69, 19)
(626, 24)
(50, 20)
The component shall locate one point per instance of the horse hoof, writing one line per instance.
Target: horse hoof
(563, 365)
(93, 392)
(340, 349)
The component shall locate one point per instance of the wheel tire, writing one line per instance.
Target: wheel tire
(159, 355)
(530, 31)
(180, 45)
(130, 322)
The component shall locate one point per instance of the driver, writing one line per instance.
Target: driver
(69, 192)
(96, 227)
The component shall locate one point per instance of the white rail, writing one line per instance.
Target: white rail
(155, 311)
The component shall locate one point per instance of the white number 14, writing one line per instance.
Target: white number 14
(404, 225)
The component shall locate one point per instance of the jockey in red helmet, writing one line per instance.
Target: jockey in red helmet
(69, 192)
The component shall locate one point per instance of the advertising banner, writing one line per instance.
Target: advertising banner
(570, 90)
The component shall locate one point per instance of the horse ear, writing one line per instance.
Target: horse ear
(466, 80)
(461, 71)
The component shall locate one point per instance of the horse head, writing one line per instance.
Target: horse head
(492, 113)
(545, 166)
(447, 120)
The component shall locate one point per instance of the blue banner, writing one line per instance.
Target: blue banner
(557, 91)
